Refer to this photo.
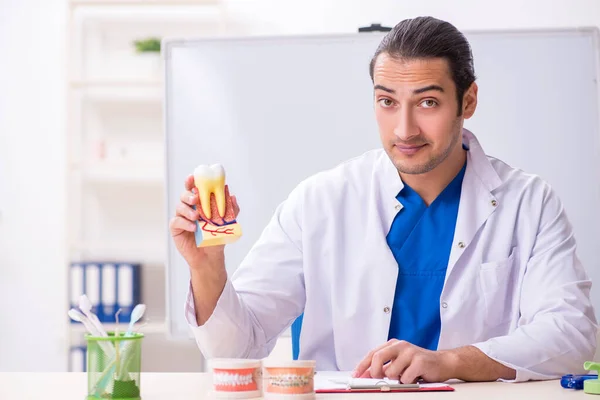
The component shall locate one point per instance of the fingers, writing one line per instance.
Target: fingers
(179, 224)
(414, 371)
(378, 360)
(190, 198)
(391, 353)
(189, 182)
(403, 356)
(363, 366)
(185, 215)
(366, 374)
(187, 212)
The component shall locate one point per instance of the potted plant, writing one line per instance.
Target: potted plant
(148, 53)
(149, 45)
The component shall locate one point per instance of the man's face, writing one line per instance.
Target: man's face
(416, 110)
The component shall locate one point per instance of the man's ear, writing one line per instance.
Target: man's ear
(470, 101)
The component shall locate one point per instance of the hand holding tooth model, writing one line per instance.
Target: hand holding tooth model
(216, 224)
(204, 222)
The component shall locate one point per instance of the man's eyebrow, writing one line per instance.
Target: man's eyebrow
(428, 88)
(416, 91)
(381, 87)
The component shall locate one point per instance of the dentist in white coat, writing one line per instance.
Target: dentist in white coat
(426, 259)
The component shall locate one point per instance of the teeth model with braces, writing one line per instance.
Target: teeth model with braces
(290, 379)
(217, 224)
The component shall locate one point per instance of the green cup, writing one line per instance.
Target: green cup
(114, 366)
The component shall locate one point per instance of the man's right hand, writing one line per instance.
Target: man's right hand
(183, 226)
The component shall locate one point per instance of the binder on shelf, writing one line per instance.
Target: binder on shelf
(76, 284)
(109, 291)
(128, 293)
(92, 285)
(108, 285)
(77, 359)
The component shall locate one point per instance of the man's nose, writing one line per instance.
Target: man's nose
(405, 128)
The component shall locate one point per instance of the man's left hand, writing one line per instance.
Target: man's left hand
(398, 359)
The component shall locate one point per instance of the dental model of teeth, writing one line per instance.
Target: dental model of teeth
(289, 379)
(229, 379)
(217, 224)
(236, 378)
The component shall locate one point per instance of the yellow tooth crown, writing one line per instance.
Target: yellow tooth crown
(211, 179)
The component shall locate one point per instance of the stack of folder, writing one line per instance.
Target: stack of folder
(77, 359)
(110, 286)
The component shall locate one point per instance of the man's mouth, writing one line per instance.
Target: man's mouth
(409, 149)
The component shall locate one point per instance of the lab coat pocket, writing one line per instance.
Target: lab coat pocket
(498, 289)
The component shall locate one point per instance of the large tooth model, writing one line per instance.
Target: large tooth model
(217, 224)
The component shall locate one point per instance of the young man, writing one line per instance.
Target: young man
(424, 260)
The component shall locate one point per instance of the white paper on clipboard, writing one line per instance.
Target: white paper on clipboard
(342, 380)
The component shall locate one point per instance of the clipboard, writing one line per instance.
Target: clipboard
(333, 385)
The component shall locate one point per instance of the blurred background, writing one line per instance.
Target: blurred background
(81, 149)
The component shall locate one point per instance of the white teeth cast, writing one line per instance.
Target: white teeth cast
(290, 380)
(232, 379)
(211, 179)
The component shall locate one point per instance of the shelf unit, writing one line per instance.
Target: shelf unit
(151, 327)
(170, 3)
(115, 149)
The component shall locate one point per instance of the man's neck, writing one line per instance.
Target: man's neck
(430, 184)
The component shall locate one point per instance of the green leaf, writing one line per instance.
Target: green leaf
(147, 45)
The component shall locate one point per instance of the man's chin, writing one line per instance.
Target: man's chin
(418, 170)
(412, 167)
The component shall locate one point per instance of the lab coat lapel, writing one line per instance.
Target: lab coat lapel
(376, 271)
(477, 202)
(389, 185)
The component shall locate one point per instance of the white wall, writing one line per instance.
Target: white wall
(32, 237)
(265, 16)
(32, 183)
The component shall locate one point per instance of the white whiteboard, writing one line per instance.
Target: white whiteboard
(292, 106)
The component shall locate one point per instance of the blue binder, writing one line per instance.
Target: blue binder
(84, 278)
(128, 289)
(109, 292)
(77, 359)
(108, 285)
(76, 284)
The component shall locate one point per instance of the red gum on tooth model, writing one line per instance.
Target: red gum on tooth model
(214, 211)
(236, 378)
(289, 380)
(217, 230)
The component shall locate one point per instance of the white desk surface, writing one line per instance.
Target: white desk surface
(183, 386)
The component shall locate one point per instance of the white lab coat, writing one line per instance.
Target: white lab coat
(514, 286)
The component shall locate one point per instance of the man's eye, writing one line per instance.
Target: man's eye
(429, 103)
(386, 102)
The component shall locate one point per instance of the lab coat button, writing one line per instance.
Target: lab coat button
(461, 245)
(386, 309)
(397, 207)
(444, 305)
(494, 203)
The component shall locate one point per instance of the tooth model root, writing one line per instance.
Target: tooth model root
(220, 198)
(211, 179)
(205, 188)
